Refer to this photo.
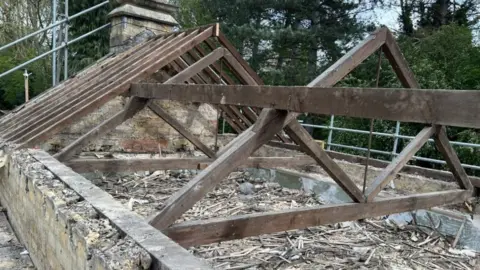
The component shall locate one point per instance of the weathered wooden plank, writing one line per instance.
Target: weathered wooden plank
(103, 80)
(207, 77)
(137, 104)
(397, 61)
(133, 106)
(88, 89)
(444, 146)
(180, 129)
(135, 165)
(121, 85)
(351, 60)
(79, 86)
(201, 64)
(202, 232)
(398, 163)
(241, 68)
(53, 95)
(166, 254)
(226, 43)
(269, 123)
(311, 147)
(429, 106)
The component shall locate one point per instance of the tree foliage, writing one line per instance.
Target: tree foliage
(291, 42)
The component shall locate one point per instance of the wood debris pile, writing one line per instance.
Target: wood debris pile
(367, 244)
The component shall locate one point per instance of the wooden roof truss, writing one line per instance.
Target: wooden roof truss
(214, 73)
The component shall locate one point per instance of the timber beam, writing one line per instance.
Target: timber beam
(440, 107)
(165, 253)
(268, 124)
(134, 165)
(203, 232)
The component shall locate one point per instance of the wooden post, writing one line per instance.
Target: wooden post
(26, 75)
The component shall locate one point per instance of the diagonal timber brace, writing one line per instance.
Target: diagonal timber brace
(268, 124)
(444, 146)
(396, 166)
(135, 105)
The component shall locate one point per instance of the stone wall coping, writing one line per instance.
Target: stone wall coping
(130, 10)
(155, 5)
(166, 253)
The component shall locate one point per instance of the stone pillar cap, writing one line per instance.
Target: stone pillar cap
(129, 10)
(156, 5)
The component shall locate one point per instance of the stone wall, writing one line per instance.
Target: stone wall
(145, 132)
(58, 228)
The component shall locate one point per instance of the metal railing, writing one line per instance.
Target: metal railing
(396, 136)
(64, 27)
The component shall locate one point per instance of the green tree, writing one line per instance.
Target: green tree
(92, 48)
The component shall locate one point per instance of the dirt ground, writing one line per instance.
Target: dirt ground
(369, 244)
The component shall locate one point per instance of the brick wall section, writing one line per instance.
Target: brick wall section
(60, 230)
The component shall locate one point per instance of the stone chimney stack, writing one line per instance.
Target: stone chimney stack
(134, 21)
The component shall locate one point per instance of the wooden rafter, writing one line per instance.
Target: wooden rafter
(115, 85)
(137, 104)
(406, 77)
(181, 129)
(351, 60)
(312, 148)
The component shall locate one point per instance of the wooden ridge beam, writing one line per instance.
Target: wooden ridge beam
(202, 232)
(268, 124)
(398, 163)
(429, 106)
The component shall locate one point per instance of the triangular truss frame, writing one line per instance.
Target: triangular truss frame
(205, 56)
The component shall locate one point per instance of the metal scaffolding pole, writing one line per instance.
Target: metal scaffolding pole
(65, 57)
(54, 43)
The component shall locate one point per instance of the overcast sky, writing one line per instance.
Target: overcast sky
(383, 16)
